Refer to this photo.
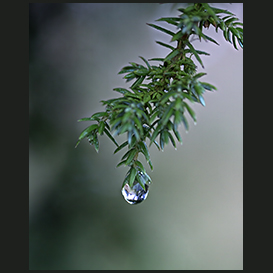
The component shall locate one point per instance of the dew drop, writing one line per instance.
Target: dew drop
(136, 194)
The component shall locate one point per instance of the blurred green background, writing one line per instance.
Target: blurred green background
(193, 216)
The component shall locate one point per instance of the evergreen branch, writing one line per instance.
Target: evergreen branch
(156, 105)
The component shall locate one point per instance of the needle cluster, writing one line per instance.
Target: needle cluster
(154, 106)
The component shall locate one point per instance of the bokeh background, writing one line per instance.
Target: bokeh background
(193, 216)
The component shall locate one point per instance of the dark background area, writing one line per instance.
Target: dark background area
(193, 216)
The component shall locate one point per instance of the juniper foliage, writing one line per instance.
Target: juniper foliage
(154, 106)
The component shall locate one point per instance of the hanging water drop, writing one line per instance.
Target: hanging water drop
(136, 194)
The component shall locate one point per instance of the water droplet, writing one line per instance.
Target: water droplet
(136, 194)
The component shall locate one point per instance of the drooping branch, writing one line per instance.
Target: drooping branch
(157, 101)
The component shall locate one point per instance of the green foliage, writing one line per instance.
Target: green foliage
(157, 101)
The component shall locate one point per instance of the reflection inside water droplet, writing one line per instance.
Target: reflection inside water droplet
(136, 194)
